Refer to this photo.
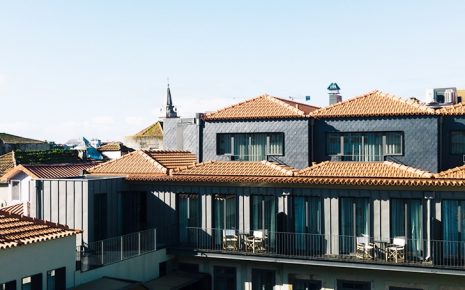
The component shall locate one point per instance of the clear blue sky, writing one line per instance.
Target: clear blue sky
(99, 68)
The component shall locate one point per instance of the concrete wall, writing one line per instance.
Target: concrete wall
(31, 259)
(329, 276)
(421, 148)
(141, 268)
(296, 138)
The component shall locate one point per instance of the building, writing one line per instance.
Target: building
(9, 142)
(36, 254)
(363, 194)
(113, 150)
(150, 138)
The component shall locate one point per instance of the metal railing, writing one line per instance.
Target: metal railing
(397, 251)
(108, 251)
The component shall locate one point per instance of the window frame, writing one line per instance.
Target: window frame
(249, 135)
(343, 136)
(450, 142)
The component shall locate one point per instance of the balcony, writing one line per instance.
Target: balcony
(435, 254)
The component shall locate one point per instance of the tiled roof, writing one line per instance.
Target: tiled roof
(18, 208)
(454, 173)
(16, 230)
(136, 162)
(7, 161)
(154, 130)
(384, 169)
(233, 168)
(50, 170)
(13, 139)
(262, 107)
(172, 159)
(146, 162)
(114, 146)
(457, 109)
(375, 103)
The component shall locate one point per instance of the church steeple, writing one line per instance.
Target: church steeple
(170, 108)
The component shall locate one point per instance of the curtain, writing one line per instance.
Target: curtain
(241, 146)
(353, 147)
(415, 220)
(224, 143)
(397, 217)
(257, 147)
(450, 227)
(346, 226)
(393, 144)
(458, 142)
(333, 144)
(362, 216)
(276, 144)
(300, 222)
(372, 147)
(183, 216)
(264, 215)
(231, 216)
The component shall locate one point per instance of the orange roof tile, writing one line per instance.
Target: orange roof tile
(453, 110)
(262, 107)
(146, 162)
(19, 208)
(7, 161)
(16, 230)
(114, 146)
(375, 103)
(234, 168)
(455, 173)
(49, 171)
(384, 169)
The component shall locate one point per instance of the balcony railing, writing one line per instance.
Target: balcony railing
(108, 251)
(398, 251)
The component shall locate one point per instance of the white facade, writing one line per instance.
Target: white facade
(39, 258)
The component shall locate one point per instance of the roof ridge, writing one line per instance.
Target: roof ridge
(112, 161)
(138, 151)
(195, 165)
(286, 105)
(288, 170)
(421, 173)
(338, 104)
(312, 167)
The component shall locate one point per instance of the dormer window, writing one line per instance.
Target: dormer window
(366, 146)
(250, 146)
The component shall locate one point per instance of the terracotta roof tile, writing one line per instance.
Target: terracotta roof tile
(455, 173)
(375, 103)
(154, 130)
(146, 162)
(384, 169)
(234, 168)
(18, 209)
(7, 162)
(262, 107)
(453, 110)
(50, 171)
(16, 230)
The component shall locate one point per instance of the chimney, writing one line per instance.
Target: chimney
(334, 96)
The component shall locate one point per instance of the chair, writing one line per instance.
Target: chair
(396, 250)
(364, 248)
(255, 242)
(230, 240)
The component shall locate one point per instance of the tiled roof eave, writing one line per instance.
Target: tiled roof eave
(364, 115)
(244, 118)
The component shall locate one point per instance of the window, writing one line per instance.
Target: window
(407, 221)
(364, 146)
(100, 216)
(224, 278)
(134, 211)
(453, 229)
(303, 284)
(457, 142)
(250, 147)
(32, 282)
(56, 279)
(353, 285)
(308, 225)
(15, 190)
(263, 279)
(8, 285)
(224, 207)
(354, 221)
(189, 217)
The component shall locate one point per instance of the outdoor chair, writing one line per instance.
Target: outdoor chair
(230, 240)
(364, 248)
(255, 242)
(396, 251)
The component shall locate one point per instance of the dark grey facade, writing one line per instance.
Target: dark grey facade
(296, 138)
(420, 137)
(450, 124)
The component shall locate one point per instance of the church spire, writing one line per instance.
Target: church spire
(170, 108)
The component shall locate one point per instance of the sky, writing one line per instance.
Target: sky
(100, 68)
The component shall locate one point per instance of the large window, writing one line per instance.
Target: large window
(189, 217)
(457, 142)
(407, 222)
(134, 211)
(308, 225)
(367, 146)
(453, 229)
(354, 221)
(263, 212)
(224, 207)
(250, 147)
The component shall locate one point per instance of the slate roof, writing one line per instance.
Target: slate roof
(13, 139)
(154, 130)
(17, 230)
(262, 107)
(49, 171)
(372, 104)
(145, 162)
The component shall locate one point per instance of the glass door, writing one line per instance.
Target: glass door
(354, 221)
(308, 225)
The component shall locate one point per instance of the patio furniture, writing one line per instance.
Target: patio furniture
(255, 242)
(230, 240)
(364, 248)
(396, 251)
